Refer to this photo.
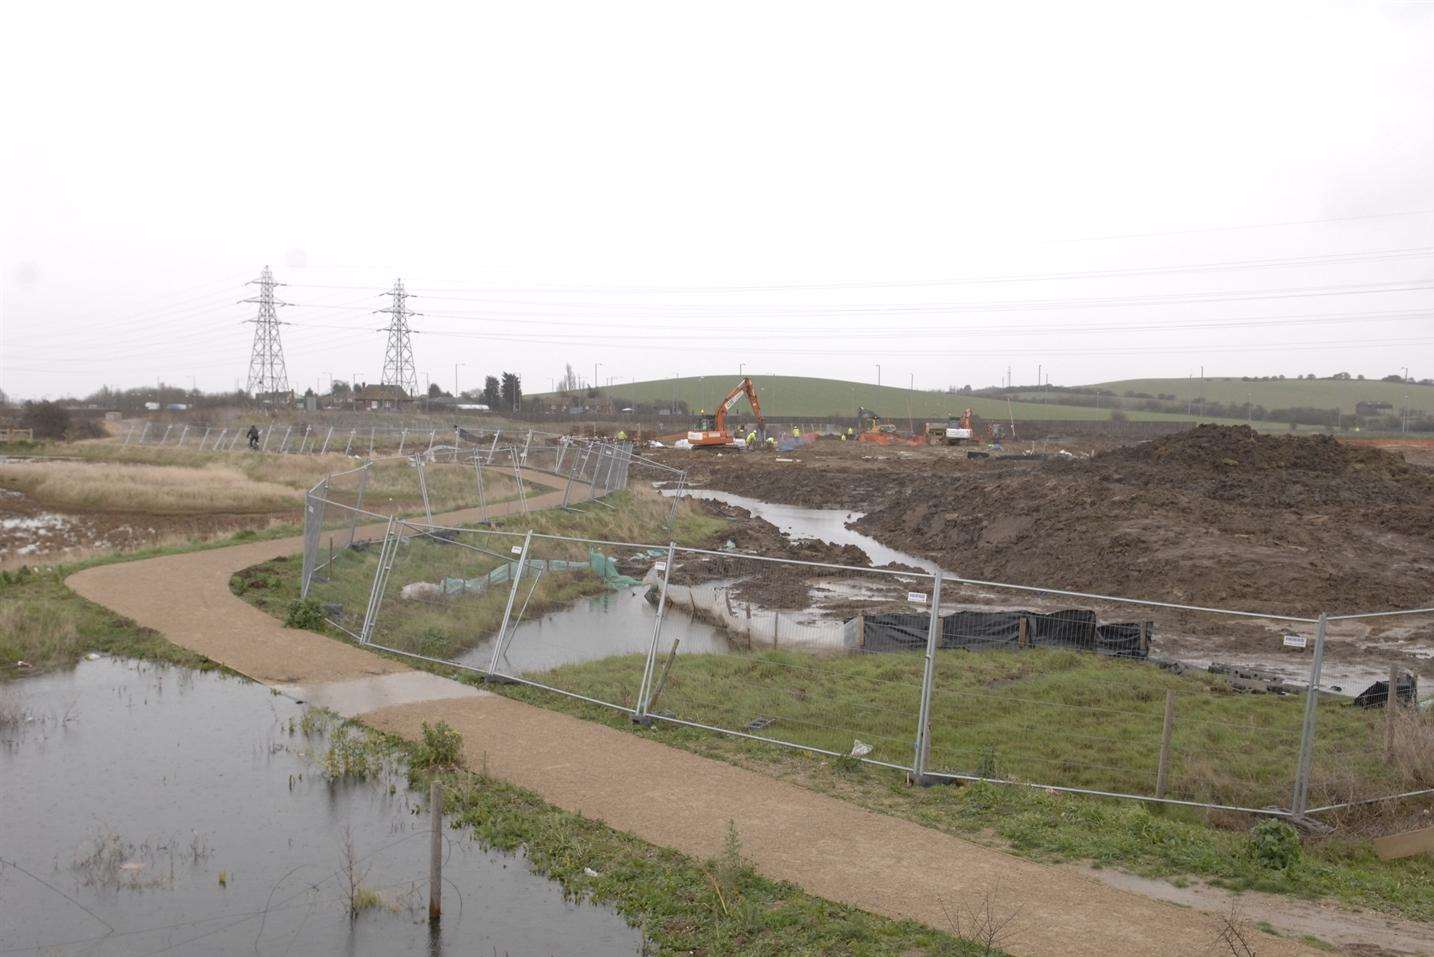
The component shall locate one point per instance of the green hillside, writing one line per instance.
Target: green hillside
(1284, 393)
(838, 400)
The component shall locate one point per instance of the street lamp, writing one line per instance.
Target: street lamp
(878, 372)
(456, 366)
(595, 378)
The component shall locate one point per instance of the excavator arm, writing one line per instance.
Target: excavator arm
(742, 388)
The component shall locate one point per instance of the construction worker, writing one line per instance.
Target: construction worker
(771, 443)
(622, 435)
(849, 433)
(751, 438)
(796, 432)
(253, 436)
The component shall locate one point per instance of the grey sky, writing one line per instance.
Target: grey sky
(807, 188)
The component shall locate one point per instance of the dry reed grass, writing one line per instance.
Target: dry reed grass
(158, 489)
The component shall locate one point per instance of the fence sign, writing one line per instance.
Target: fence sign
(916, 597)
(660, 566)
(516, 550)
(1294, 641)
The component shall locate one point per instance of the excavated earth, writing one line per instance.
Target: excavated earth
(1217, 515)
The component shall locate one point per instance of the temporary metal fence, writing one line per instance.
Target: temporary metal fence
(321, 438)
(944, 677)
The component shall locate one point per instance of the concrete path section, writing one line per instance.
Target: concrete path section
(663, 795)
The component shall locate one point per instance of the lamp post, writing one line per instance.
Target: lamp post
(456, 366)
(878, 372)
(595, 378)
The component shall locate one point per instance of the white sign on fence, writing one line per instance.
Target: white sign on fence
(660, 566)
(516, 550)
(916, 597)
(1294, 641)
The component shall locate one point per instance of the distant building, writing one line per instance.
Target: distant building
(376, 397)
(1373, 408)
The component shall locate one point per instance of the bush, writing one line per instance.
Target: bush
(304, 613)
(1277, 844)
(50, 420)
(441, 747)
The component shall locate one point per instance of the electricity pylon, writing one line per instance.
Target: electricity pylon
(398, 358)
(268, 377)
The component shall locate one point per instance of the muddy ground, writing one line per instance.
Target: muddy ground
(33, 534)
(1216, 516)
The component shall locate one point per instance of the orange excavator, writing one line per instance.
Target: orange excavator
(711, 430)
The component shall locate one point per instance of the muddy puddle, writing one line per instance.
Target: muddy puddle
(615, 623)
(824, 524)
(158, 810)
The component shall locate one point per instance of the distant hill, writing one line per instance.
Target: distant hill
(1283, 393)
(838, 399)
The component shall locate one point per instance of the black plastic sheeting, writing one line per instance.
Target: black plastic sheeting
(979, 630)
(1377, 694)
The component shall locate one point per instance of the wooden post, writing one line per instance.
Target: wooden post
(1023, 636)
(435, 850)
(1145, 637)
(1162, 772)
(776, 621)
(1391, 700)
(861, 631)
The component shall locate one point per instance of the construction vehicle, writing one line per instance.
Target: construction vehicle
(953, 431)
(711, 431)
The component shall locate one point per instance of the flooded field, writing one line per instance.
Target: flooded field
(149, 809)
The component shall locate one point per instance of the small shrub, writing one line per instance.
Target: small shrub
(1276, 844)
(441, 747)
(304, 613)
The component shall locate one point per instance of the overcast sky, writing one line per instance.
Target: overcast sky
(946, 189)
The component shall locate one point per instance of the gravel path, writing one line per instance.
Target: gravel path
(663, 795)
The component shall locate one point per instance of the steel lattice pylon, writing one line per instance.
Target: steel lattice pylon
(268, 376)
(398, 357)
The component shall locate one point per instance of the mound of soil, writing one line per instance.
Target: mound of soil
(1216, 515)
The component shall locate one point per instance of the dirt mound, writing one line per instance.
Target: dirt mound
(1236, 463)
(1217, 515)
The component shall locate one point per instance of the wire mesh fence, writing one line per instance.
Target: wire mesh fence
(944, 677)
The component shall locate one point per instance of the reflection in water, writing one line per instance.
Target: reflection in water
(614, 623)
(155, 797)
(824, 524)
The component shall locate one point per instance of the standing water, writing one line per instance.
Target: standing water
(149, 809)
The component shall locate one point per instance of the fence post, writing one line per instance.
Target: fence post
(204, 438)
(435, 850)
(558, 466)
(1162, 771)
(1390, 700)
(494, 449)
(478, 473)
(402, 438)
(928, 677)
(358, 505)
(1299, 803)
(518, 481)
(380, 578)
(645, 689)
(423, 486)
(182, 433)
(508, 608)
(313, 527)
(165, 437)
(526, 442)
(327, 438)
(128, 435)
(305, 439)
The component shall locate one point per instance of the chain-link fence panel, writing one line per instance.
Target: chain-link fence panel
(1368, 744)
(776, 650)
(443, 591)
(581, 619)
(1085, 693)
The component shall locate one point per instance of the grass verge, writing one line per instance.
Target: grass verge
(682, 904)
(45, 625)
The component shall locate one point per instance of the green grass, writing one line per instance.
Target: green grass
(1284, 394)
(837, 400)
(1043, 716)
(46, 625)
(1172, 843)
